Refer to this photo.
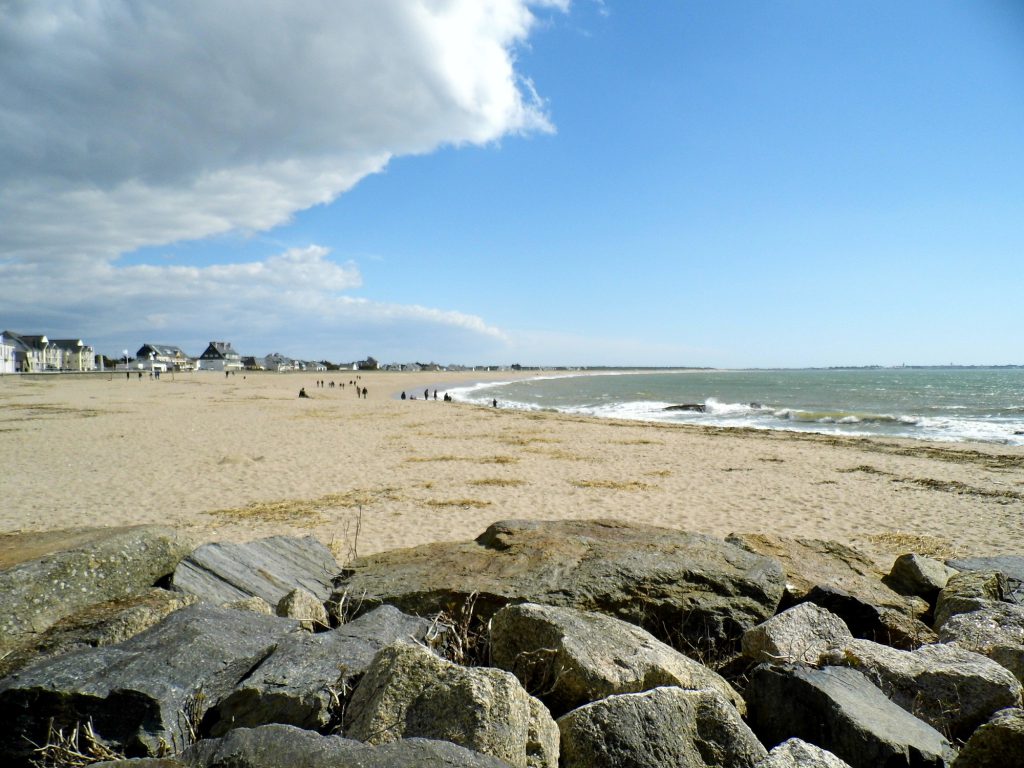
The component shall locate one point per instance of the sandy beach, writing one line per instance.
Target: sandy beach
(244, 457)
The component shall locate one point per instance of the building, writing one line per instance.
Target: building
(172, 357)
(6, 355)
(32, 354)
(220, 356)
(75, 355)
(275, 361)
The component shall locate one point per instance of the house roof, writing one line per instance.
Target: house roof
(162, 350)
(219, 350)
(70, 344)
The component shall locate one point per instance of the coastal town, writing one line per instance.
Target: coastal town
(37, 353)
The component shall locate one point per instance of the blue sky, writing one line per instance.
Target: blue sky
(665, 183)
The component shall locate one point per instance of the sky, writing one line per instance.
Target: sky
(783, 183)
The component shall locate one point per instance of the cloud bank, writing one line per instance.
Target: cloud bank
(137, 123)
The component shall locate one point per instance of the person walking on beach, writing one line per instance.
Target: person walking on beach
(364, 393)
(494, 403)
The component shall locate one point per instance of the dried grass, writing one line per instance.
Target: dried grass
(498, 482)
(306, 512)
(613, 485)
(463, 503)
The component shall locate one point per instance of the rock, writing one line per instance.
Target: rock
(800, 634)
(305, 608)
(98, 625)
(661, 728)
(252, 604)
(840, 710)
(145, 694)
(274, 746)
(685, 588)
(796, 753)
(952, 689)
(408, 691)
(48, 576)
(916, 575)
(968, 591)
(1011, 566)
(224, 572)
(697, 407)
(813, 563)
(996, 631)
(872, 622)
(307, 679)
(999, 743)
(569, 658)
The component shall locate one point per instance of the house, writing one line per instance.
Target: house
(172, 357)
(220, 356)
(6, 354)
(250, 363)
(275, 361)
(369, 364)
(74, 355)
(32, 353)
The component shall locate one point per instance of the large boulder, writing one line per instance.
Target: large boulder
(661, 728)
(800, 634)
(685, 588)
(869, 621)
(811, 563)
(225, 572)
(145, 695)
(968, 591)
(49, 576)
(97, 625)
(306, 681)
(952, 689)
(273, 746)
(839, 709)
(916, 575)
(999, 743)
(410, 692)
(996, 630)
(303, 606)
(796, 753)
(1011, 566)
(569, 658)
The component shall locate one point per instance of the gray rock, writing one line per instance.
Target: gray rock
(999, 743)
(913, 574)
(274, 746)
(1011, 566)
(224, 572)
(145, 694)
(868, 621)
(49, 576)
(840, 710)
(687, 589)
(952, 689)
(408, 691)
(569, 658)
(811, 563)
(800, 634)
(252, 604)
(661, 728)
(968, 591)
(97, 625)
(307, 679)
(796, 753)
(304, 607)
(995, 630)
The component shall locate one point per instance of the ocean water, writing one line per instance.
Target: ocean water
(950, 404)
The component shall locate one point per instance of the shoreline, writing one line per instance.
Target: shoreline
(244, 457)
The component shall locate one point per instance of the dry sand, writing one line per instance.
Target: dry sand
(243, 457)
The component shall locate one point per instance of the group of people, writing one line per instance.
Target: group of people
(321, 384)
(426, 396)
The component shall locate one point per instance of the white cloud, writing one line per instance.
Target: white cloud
(128, 123)
(134, 123)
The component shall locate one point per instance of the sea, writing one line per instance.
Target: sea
(943, 404)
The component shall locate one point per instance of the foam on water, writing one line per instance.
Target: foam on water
(945, 405)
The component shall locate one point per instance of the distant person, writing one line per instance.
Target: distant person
(435, 394)
(128, 375)
(494, 403)
(302, 392)
(426, 394)
(403, 395)
(364, 393)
